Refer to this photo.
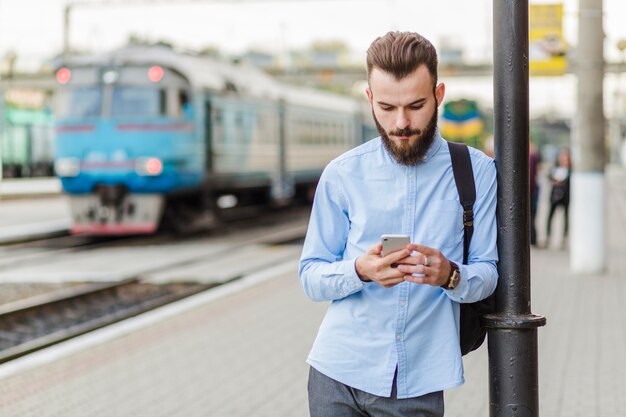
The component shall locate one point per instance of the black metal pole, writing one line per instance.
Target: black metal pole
(513, 376)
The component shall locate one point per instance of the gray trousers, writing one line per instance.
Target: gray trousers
(330, 398)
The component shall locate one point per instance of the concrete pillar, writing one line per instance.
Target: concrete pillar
(587, 249)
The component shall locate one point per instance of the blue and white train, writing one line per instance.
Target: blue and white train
(147, 135)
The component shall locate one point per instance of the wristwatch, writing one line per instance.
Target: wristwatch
(454, 278)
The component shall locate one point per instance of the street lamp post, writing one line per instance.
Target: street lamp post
(513, 357)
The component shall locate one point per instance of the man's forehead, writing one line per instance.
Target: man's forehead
(415, 86)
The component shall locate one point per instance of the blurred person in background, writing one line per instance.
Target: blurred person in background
(559, 195)
(389, 344)
(534, 162)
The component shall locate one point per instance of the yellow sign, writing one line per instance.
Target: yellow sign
(547, 49)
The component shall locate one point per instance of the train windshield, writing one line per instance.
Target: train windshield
(81, 102)
(138, 102)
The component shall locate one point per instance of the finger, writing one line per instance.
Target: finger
(393, 258)
(391, 273)
(422, 259)
(414, 259)
(421, 279)
(376, 249)
(388, 283)
(398, 255)
(424, 250)
(415, 269)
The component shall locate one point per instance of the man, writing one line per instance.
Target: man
(534, 163)
(389, 344)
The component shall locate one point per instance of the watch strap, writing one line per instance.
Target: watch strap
(450, 284)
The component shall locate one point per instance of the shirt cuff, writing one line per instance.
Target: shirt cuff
(351, 281)
(460, 292)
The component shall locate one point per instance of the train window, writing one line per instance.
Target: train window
(336, 132)
(236, 132)
(273, 131)
(293, 131)
(138, 102)
(316, 134)
(325, 129)
(218, 116)
(299, 130)
(308, 132)
(261, 126)
(239, 119)
(185, 104)
(218, 125)
(80, 103)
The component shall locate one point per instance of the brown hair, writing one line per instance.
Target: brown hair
(400, 53)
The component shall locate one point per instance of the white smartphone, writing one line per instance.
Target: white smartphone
(392, 243)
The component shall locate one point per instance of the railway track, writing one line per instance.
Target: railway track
(34, 323)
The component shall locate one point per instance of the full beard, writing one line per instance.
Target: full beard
(405, 153)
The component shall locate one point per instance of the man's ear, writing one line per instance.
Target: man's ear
(370, 96)
(440, 92)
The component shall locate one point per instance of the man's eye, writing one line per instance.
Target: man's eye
(416, 107)
(386, 108)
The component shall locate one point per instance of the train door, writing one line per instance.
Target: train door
(283, 187)
(208, 135)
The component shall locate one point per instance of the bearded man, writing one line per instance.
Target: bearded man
(389, 344)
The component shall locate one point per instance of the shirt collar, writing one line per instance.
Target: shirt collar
(434, 148)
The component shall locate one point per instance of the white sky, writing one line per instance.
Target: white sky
(33, 28)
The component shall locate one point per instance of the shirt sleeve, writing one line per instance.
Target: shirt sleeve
(324, 274)
(480, 276)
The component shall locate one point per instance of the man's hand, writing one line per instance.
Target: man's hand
(371, 266)
(430, 263)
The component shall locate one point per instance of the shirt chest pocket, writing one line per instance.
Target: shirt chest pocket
(445, 229)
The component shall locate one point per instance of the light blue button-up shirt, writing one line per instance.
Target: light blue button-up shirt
(369, 330)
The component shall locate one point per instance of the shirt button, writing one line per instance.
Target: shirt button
(398, 337)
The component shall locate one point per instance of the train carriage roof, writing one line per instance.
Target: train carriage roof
(219, 76)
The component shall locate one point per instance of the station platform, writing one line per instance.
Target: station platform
(240, 350)
(32, 208)
(11, 188)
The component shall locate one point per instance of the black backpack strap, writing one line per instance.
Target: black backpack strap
(472, 332)
(464, 179)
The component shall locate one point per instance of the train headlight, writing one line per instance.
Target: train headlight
(63, 75)
(148, 166)
(110, 76)
(155, 73)
(67, 167)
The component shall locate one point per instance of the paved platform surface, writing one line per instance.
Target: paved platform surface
(33, 216)
(32, 207)
(242, 354)
(11, 188)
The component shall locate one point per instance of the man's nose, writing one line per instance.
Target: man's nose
(402, 121)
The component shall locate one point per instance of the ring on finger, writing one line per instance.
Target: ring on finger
(426, 261)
